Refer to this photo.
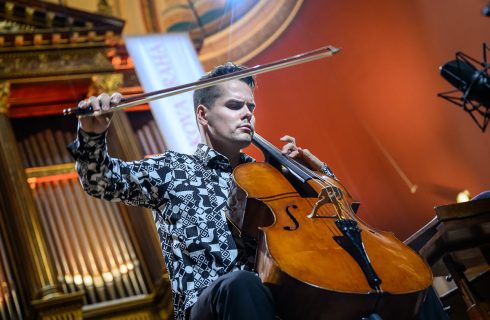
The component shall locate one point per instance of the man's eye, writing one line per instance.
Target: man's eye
(239, 105)
(235, 106)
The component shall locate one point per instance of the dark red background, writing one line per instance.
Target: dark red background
(372, 111)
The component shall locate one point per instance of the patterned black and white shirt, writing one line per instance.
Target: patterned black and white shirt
(190, 196)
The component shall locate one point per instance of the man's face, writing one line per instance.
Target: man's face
(231, 121)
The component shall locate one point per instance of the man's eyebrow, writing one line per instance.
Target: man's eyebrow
(240, 101)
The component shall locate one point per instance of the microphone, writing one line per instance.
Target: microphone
(474, 84)
(486, 10)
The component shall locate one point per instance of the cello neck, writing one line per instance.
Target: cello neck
(275, 157)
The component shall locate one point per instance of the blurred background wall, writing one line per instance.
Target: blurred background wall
(372, 111)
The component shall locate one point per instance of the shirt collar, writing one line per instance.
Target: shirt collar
(213, 158)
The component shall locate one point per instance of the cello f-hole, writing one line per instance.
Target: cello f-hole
(296, 224)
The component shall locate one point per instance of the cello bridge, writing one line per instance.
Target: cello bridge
(329, 194)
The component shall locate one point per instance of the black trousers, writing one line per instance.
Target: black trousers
(241, 295)
(238, 295)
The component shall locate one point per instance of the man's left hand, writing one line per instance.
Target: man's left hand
(304, 156)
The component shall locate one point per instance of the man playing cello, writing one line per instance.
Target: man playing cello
(210, 267)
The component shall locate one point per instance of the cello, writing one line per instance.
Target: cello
(318, 259)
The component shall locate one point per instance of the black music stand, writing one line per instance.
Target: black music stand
(458, 227)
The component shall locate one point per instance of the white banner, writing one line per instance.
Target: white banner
(162, 61)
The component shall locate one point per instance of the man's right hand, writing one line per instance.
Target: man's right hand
(98, 124)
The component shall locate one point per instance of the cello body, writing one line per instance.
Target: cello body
(306, 261)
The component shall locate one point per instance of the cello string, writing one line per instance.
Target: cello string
(317, 179)
(292, 163)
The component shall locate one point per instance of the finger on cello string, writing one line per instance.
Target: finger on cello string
(290, 149)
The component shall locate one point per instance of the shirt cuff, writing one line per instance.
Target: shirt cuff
(86, 144)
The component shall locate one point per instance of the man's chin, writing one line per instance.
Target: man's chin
(244, 142)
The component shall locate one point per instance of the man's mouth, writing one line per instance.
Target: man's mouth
(246, 127)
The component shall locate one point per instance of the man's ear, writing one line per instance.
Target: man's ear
(202, 114)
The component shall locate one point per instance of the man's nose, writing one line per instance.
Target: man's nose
(247, 112)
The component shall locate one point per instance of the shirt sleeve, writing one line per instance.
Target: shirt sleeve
(137, 183)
